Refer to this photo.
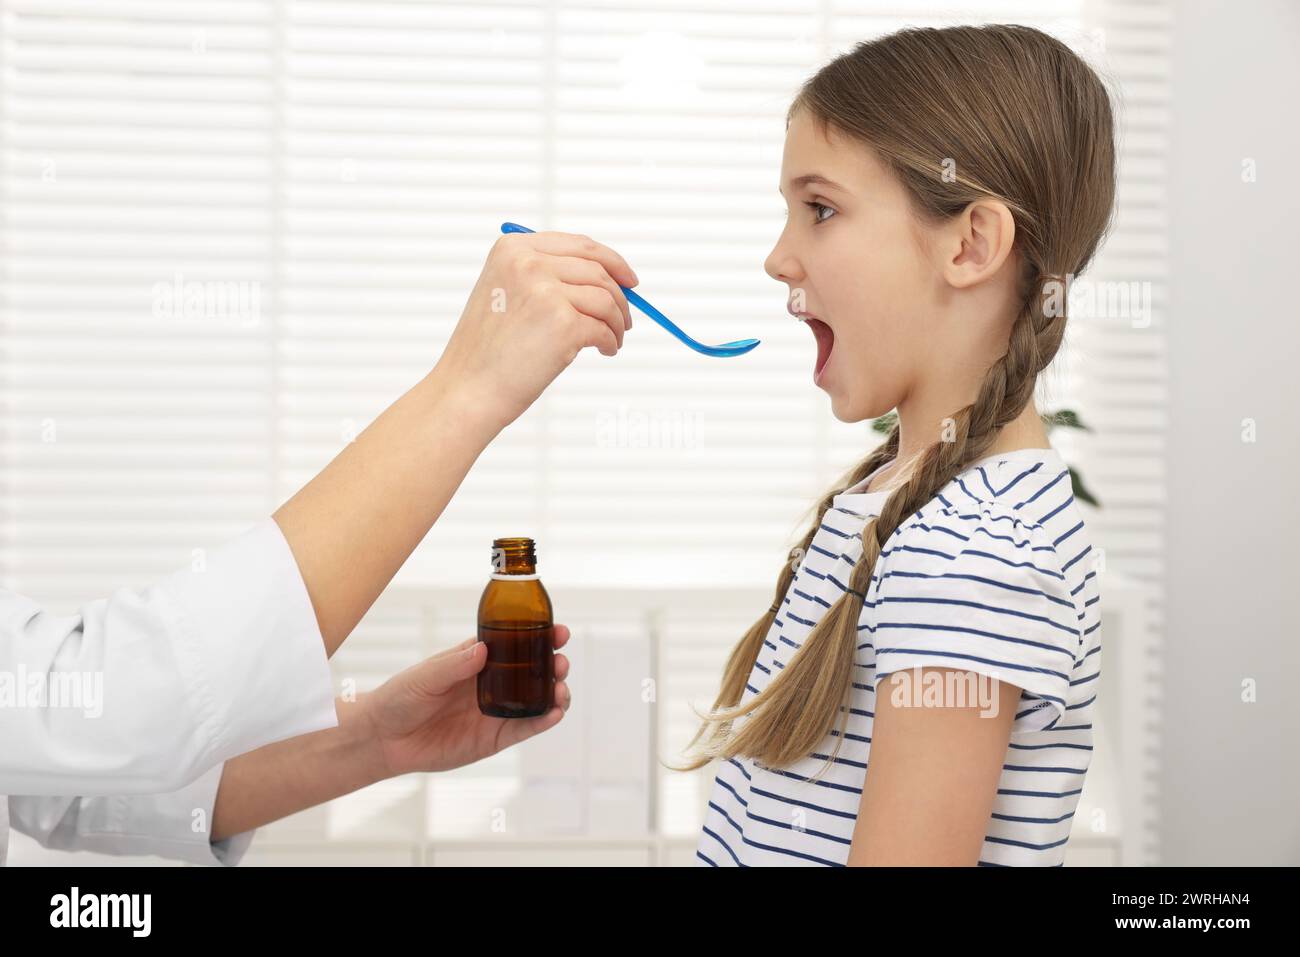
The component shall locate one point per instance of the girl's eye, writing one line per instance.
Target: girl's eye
(816, 208)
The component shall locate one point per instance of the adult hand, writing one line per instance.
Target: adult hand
(426, 718)
(541, 299)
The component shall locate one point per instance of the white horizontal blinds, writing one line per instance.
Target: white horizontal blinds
(1123, 384)
(1123, 387)
(136, 163)
(351, 163)
(411, 132)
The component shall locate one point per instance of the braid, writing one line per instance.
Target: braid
(785, 726)
(741, 660)
(1007, 388)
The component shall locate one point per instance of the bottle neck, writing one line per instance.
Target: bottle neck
(512, 557)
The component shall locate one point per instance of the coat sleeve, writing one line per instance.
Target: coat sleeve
(147, 690)
(173, 825)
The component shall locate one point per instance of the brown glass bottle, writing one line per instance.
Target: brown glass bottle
(514, 621)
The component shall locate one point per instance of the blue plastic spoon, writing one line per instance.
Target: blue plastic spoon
(737, 348)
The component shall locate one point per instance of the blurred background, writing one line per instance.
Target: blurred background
(233, 231)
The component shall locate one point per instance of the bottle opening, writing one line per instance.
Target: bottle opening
(514, 556)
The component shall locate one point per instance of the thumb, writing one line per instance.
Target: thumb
(437, 675)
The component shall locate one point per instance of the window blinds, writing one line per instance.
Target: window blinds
(233, 232)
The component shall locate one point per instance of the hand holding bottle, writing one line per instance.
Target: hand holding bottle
(427, 717)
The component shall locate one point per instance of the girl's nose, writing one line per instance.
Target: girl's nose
(781, 266)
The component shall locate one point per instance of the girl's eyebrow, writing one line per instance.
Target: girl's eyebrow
(810, 178)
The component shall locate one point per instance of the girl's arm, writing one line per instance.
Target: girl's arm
(932, 777)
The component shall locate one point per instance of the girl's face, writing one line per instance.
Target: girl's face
(855, 258)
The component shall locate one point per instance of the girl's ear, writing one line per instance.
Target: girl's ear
(977, 241)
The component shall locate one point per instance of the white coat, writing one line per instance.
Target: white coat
(115, 722)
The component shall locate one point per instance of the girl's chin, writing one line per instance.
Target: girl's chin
(847, 408)
(841, 407)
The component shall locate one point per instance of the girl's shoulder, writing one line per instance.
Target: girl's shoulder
(1021, 481)
(1008, 508)
(1009, 482)
(987, 576)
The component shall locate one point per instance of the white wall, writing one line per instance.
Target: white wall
(1230, 771)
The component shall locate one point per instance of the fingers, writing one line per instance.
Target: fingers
(584, 272)
(561, 632)
(576, 244)
(524, 728)
(562, 636)
(439, 673)
(589, 276)
(597, 303)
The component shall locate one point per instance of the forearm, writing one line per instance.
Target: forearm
(292, 775)
(354, 524)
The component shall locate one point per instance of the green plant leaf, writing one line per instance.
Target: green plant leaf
(1080, 491)
(1066, 417)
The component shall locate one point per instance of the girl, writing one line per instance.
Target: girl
(922, 689)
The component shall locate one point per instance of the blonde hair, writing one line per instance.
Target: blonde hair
(1028, 123)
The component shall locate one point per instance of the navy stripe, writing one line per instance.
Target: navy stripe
(984, 581)
(1014, 792)
(996, 609)
(725, 846)
(1032, 847)
(734, 793)
(1016, 481)
(1034, 497)
(921, 626)
(727, 817)
(916, 549)
(772, 795)
(823, 784)
(802, 830)
(1049, 770)
(1034, 820)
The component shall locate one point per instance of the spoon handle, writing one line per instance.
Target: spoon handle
(730, 349)
(632, 297)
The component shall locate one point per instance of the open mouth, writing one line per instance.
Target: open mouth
(825, 342)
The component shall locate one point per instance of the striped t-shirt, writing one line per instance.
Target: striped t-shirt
(994, 575)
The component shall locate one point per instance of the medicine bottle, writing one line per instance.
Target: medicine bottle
(515, 622)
